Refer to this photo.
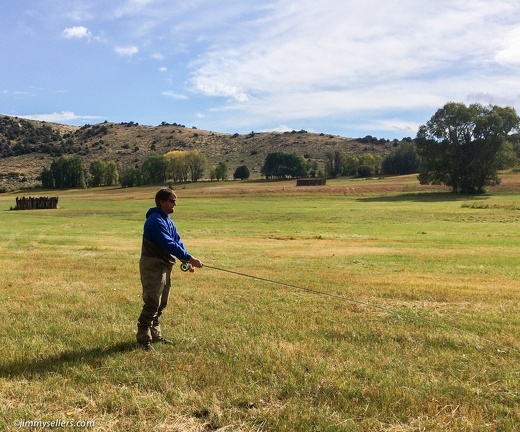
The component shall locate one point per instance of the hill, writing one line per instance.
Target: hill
(28, 146)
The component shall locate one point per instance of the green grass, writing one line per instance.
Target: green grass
(416, 327)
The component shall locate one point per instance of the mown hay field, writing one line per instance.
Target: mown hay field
(399, 310)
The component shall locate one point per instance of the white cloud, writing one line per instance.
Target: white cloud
(509, 99)
(163, 69)
(77, 32)
(403, 127)
(172, 95)
(126, 51)
(63, 117)
(309, 60)
(22, 93)
(132, 7)
(78, 11)
(280, 128)
(218, 86)
(509, 51)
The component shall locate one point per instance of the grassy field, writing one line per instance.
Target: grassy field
(413, 323)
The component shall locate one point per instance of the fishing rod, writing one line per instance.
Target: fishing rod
(185, 266)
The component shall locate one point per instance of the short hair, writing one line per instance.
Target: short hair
(162, 195)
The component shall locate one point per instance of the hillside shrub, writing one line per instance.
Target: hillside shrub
(364, 171)
(242, 173)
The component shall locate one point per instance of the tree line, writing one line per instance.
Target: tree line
(71, 171)
(461, 146)
(190, 166)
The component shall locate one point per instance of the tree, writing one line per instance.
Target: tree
(403, 160)
(131, 177)
(47, 178)
(185, 165)
(67, 172)
(221, 171)
(300, 166)
(364, 171)
(313, 168)
(370, 161)
(178, 169)
(281, 165)
(464, 146)
(153, 169)
(197, 163)
(273, 165)
(515, 141)
(350, 164)
(97, 171)
(111, 174)
(342, 164)
(242, 173)
(335, 163)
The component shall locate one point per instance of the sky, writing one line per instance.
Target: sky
(342, 67)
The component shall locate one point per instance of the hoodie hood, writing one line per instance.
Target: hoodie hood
(155, 210)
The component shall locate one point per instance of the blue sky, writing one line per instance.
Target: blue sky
(344, 67)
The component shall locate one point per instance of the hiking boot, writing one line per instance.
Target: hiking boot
(160, 339)
(147, 346)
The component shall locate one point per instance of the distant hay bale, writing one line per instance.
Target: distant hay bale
(36, 203)
(311, 182)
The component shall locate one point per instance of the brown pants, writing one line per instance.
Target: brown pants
(156, 282)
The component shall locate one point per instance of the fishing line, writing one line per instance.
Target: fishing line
(323, 293)
(186, 267)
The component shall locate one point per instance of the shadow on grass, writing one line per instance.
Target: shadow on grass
(56, 363)
(426, 197)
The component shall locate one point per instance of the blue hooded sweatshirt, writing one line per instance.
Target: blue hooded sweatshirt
(159, 230)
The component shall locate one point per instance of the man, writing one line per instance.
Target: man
(161, 245)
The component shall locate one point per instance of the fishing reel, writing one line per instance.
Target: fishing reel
(185, 266)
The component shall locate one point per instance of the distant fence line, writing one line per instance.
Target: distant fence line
(311, 182)
(32, 203)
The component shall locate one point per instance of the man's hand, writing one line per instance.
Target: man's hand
(195, 262)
